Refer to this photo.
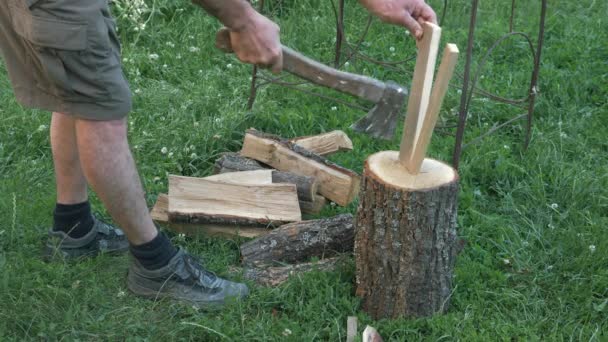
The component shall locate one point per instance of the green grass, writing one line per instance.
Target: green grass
(528, 271)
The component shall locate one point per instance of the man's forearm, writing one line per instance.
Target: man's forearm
(234, 14)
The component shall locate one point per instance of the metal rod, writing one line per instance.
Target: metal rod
(535, 73)
(462, 117)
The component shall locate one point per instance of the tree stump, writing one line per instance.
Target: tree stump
(405, 243)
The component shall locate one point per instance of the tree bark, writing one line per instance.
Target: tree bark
(299, 241)
(276, 275)
(406, 241)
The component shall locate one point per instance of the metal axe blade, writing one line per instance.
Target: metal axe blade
(388, 97)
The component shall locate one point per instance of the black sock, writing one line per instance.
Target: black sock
(154, 254)
(75, 220)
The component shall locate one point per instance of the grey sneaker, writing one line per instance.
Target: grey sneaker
(103, 238)
(183, 278)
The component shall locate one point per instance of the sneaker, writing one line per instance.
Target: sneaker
(183, 278)
(103, 238)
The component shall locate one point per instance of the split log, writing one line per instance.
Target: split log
(335, 182)
(406, 241)
(313, 207)
(276, 275)
(159, 214)
(255, 177)
(230, 162)
(300, 241)
(326, 143)
(197, 200)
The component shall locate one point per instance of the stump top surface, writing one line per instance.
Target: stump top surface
(386, 167)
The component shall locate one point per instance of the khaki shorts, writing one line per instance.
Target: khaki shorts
(64, 56)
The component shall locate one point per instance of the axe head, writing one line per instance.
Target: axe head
(381, 120)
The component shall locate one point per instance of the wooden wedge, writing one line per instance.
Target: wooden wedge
(420, 91)
(440, 88)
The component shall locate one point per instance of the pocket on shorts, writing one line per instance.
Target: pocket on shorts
(59, 56)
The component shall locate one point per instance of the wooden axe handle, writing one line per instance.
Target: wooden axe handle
(297, 64)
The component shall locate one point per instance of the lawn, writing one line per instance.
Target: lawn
(535, 266)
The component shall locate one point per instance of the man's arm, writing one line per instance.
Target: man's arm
(254, 38)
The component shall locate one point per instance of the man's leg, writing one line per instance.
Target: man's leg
(71, 184)
(110, 170)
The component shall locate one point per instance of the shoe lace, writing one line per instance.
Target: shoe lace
(194, 266)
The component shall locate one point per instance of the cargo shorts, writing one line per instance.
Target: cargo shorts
(64, 56)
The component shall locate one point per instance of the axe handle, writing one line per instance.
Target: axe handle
(297, 64)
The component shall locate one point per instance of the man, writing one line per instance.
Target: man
(64, 56)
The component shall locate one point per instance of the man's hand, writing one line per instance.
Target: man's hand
(408, 13)
(254, 38)
(257, 42)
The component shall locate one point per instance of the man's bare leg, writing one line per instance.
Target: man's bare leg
(70, 180)
(109, 168)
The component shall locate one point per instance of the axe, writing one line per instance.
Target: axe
(388, 97)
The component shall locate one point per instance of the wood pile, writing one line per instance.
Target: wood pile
(262, 193)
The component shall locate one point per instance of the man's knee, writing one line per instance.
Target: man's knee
(104, 132)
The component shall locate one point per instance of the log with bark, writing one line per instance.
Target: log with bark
(159, 214)
(326, 143)
(198, 200)
(299, 241)
(406, 241)
(335, 182)
(272, 276)
(230, 162)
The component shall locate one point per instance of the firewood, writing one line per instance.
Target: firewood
(313, 207)
(326, 143)
(255, 177)
(159, 214)
(335, 182)
(276, 275)
(406, 241)
(299, 241)
(197, 200)
(230, 162)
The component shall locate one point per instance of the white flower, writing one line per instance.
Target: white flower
(334, 108)
(137, 91)
(549, 268)
(121, 293)
(554, 206)
(216, 136)
(191, 37)
(551, 226)
(407, 33)
(592, 248)
(506, 261)
(153, 56)
(42, 128)
(170, 155)
(164, 66)
(163, 150)
(170, 44)
(286, 332)
(506, 147)
(156, 179)
(179, 56)
(477, 192)
(192, 147)
(193, 49)
(229, 65)
(200, 71)
(391, 49)
(346, 64)
(193, 156)
(196, 123)
(563, 135)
